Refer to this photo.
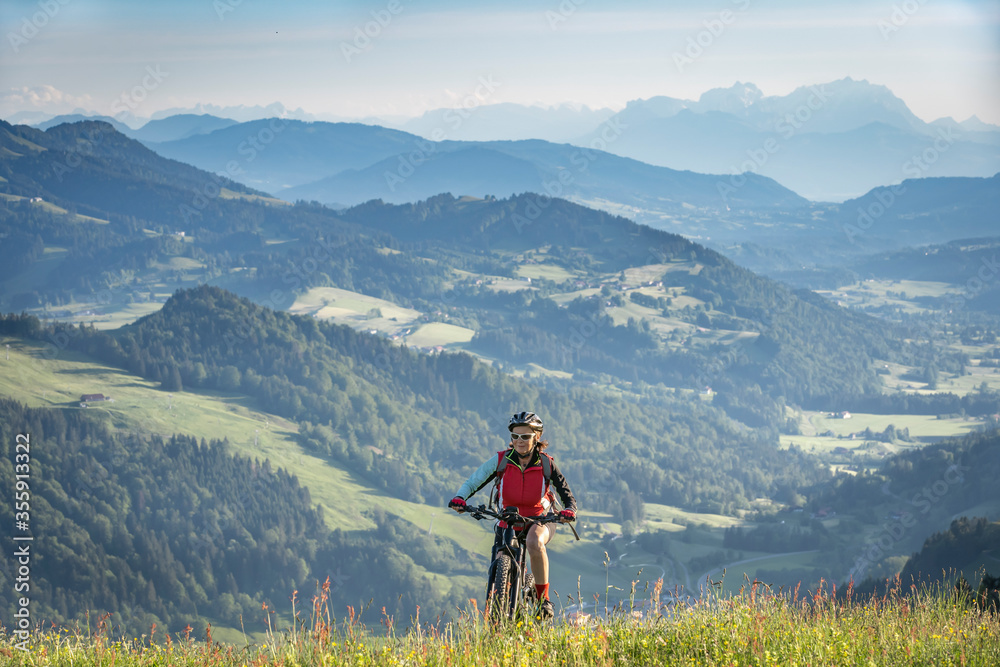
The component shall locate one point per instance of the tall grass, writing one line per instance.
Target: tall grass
(903, 627)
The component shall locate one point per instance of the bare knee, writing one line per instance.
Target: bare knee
(535, 545)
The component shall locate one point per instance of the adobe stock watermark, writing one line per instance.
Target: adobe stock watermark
(32, 25)
(885, 198)
(977, 283)
(84, 147)
(785, 129)
(899, 17)
(130, 100)
(223, 7)
(714, 28)
(563, 12)
(889, 534)
(365, 35)
(249, 148)
(408, 163)
(610, 131)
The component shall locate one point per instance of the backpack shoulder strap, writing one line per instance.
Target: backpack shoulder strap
(546, 466)
(501, 465)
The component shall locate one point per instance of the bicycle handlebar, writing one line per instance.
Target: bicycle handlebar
(511, 516)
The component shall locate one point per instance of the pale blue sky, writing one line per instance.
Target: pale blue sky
(942, 57)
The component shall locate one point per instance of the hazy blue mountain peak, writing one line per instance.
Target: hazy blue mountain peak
(738, 99)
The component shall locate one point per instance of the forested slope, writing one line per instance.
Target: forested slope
(419, 423)
(174, 532)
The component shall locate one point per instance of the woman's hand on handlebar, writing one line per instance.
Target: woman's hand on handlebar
(458, 504)
(566, 516)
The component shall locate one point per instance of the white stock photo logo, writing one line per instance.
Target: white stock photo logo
(786, 127)
(611, 130)
(410, 162)
(566, 9)
(900, 16)
(31, 26)
(249, 148)
(365, 35)
(130, 100)
(915, 167)
(889, 534)
(714, 28)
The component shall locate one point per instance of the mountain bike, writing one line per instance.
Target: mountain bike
(510, 588)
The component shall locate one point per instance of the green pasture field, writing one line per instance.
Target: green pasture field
(666, 517)
(439, 333)
(536, 369)
(899, 378)
(923, 427)
(352, 308)
(566, 297)
(924, 627)
(510, 285)
(58, 210)
(547, 271)
(226, 193)
(319, 298)
(180, 264)
(876, 293)
(648, 272)
(665, 326)
(621, 314)
(967, 384)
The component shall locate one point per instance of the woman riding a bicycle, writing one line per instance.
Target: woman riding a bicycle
(525, 477)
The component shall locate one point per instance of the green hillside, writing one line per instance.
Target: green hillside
(608, 301)
(362, 401)
(357, 403)
(36, 377)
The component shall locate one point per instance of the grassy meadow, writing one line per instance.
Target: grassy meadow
(904, 627)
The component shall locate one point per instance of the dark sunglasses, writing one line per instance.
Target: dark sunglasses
(521, 436)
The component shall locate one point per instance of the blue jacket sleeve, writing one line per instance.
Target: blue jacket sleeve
(481, 476)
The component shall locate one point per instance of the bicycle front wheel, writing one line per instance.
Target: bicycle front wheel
(501, 589)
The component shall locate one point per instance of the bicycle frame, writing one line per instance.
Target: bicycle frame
(512, 544)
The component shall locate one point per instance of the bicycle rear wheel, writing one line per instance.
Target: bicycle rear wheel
(530, 596)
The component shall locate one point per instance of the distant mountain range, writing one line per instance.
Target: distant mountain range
(828, 142)
(511, 167)
(506, 122)
(923, 211)
(172, 128)
(276, 154)
(364, 162)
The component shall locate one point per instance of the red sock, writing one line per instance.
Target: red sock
(543, 591)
